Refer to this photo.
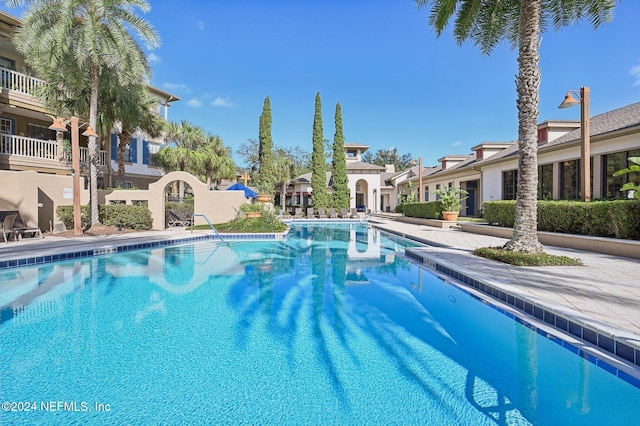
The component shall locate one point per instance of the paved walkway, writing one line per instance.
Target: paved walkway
(606, 289)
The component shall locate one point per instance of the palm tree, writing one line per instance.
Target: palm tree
(487, 23)
(285, 170)
(215, 160)
(69, 43)
(184, 139)
(135, 113)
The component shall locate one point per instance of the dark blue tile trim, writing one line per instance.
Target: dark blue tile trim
(604, 342)
(38, 260)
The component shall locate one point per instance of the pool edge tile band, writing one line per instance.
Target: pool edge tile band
(114, 247)
(564, 325)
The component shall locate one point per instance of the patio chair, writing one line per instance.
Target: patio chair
(343, 213)
(321, 213)
(332, 213)
(310, 214)
(20, 229)
(7, 227)
(354, 213)
(297, 213)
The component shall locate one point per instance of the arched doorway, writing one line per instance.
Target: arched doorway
(362, 200)
(178, 188)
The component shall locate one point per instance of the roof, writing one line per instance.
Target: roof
(611, 121)
(359, 165)
(355, 145)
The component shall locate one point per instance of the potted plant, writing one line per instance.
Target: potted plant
(252, 210)
(451, 199)
(265, 192)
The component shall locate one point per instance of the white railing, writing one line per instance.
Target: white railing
(42, 149)
(23, 83)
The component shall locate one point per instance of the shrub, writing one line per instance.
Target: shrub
(426, 210)
(120, 215)
(399, 208)
(129, 217)
(606, 218)
(500, 213)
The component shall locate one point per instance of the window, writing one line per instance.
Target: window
(437, 188)
(37, 131)
(127, 153)
(7, 63)
(426, 193)
(610, 164)
(570, 180)
(545, 182)
(6, 126)
(509, 185)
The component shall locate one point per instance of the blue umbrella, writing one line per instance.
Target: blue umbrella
(248, 193)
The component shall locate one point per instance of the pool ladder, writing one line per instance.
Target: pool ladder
(210, 225)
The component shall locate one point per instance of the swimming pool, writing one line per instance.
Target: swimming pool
(331, 326)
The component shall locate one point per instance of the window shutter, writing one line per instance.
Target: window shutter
(146, 157)
(114, 147)
(134, 150)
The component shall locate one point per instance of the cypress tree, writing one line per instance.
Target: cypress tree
(318, 172)
(340, 186)
(266, 176)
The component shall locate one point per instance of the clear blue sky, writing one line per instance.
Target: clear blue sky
(398, 85)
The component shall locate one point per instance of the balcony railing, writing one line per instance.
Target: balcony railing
(23, 83)
(42, 149)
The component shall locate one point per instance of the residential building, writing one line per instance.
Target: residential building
(364, 182)
(491, 171)
(27, 143)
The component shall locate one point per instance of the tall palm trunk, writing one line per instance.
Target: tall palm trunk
(125, 138)
(525, 237)
(93, 145)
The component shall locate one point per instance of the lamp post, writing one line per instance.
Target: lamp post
(419, 177)
(59, 126)
(585, 138)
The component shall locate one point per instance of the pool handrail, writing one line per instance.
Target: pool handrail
(210, 225)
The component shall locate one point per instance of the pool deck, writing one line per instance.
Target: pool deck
(606, 290)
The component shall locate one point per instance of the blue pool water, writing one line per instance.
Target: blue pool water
(332, 326)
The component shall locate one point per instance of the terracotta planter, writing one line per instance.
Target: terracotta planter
(253, 215)
(450, 216)
(265, 198)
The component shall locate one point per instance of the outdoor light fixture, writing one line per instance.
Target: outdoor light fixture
(585, 151)
(419, 177)
(59, 126)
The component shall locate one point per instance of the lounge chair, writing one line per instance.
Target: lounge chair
(332, 213)
(354, 213)
(297, 213)
(18, 227)
(321, 213)
(7, 227)
(344, 213)
(310, 214)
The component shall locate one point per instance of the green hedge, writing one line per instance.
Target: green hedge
(120, 215)
(606, 218)
(426, 210)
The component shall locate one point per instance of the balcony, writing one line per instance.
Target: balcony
(42, 153)
(19, 82)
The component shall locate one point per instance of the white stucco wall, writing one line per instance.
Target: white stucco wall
(372, 185)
